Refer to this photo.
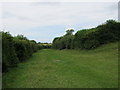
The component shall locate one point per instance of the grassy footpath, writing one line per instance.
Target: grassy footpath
(67, 69)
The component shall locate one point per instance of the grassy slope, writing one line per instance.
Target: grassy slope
(67, 68)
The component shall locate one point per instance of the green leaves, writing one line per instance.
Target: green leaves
(69, 32)
(89, 38)
(16, 49)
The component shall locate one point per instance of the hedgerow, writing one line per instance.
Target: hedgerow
(9, 56)
(16, 49)
(89, 38)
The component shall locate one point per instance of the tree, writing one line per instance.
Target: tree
(89, 38)
(33, 41)
(21, 37)
(69, 32)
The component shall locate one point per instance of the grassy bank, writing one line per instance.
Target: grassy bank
(67, 69)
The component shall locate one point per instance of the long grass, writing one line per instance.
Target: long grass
(49, 68)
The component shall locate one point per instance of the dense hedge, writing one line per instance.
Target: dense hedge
(16, 49)
(19, 48)
(9, 57)
(89, 38)
(64, 42)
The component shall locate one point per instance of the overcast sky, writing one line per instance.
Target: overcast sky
(43, 21)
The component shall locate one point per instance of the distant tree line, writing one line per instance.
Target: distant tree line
(16, 49)
(45, 45)
(89, 38)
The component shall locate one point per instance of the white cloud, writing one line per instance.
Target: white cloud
(21, 16)
(53, 15)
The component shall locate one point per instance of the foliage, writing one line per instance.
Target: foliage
(64, 42)
(89, 38)
(50, 68)
(16, 49)
(9, 57)
(69, 31)
(44, 45)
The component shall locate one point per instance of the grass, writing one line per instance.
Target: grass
(49, 68)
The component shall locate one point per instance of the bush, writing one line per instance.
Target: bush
(16, 49)
(89, 38)
(9, 57)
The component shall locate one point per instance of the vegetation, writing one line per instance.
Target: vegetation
(64, 42)
(9, 57)
(50, 68)
(17, 49)
(45, 45)
(89, 38)
(78, 67)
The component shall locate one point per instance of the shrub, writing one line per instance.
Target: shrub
(9, 57)
(89, 38)
(16, 49)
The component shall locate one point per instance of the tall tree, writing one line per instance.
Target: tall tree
(69, 32)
